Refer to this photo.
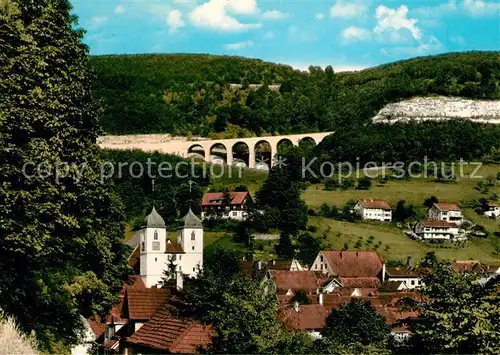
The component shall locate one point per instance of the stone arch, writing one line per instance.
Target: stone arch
(283, 145)
(196, 151)
(218, 153)
(263, 155)
(307, 142)
(240, 152)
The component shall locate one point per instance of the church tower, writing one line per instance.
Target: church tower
(153, 237)
(190, 237)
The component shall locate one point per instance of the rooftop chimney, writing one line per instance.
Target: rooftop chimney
(320, 299)
(296, 306)
(179, 281)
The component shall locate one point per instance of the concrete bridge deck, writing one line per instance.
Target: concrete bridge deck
(184, 147)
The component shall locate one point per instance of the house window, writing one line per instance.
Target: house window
(192, 248)
(235, 214)
(143, 247)
(193, 236)
(180, 257)
(156, 245)
(194, 269)
(412, 282)
(321, 258)
(156, 259)
(156, 235)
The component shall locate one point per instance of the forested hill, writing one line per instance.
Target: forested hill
(186, 94)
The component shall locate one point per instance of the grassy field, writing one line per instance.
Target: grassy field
(412, 191)
(400, 246)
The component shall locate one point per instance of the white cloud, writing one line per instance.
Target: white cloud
(269, 35)
(299, 36)
(241, 7)
(238, 45)
(320, 16)
(97, 21)
(431, 45)
(174, 20)
(480, 7)
(355, 33)
(436, 11)
(274, 15)
(458, 40)
(384, 52)
(395, 19)
(120, 10)
(214, 14)
(348, 9)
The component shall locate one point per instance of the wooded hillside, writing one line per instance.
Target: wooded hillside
(189, 94)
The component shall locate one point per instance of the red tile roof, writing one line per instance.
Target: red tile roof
(437, 223)
(405, 271)
(134, 258)
(466, 265)
(174, 247)
(308, 317)
(216, 198)
(445, 206)
(142, 304)
(96, 326)
(346, 263)
(295, 280)
(379, 204)
(360, 282)
(164, 332)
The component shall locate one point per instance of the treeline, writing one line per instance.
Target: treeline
(178, 185)
(412, 141)
(190, 94)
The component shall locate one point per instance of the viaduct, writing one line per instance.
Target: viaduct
(224, 148)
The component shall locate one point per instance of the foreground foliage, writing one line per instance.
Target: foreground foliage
(61, 251)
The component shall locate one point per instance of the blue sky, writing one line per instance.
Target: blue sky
(347, 34)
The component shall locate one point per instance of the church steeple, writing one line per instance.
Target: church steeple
(192, 221)
(154, 220)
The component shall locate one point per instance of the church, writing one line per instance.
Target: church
(157, 250)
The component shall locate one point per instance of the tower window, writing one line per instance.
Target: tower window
(193, 236)
(143, 246)
(156, 259)
(156, 235)
(192, 248)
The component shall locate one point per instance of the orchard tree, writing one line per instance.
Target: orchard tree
(61, 228)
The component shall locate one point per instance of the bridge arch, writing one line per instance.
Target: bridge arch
(263, 152)
(240, 152)
(218, 153)
(283, 145)
(307, 142)
(196, 151)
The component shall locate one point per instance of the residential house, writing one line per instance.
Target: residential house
(436, 229)
(164, 333)
(287, 283)
(287, 265)
(310, 318)
(226, 205)
(444, 211)
(493, 210)
(411, 277)
(347, 263)
(373, 210)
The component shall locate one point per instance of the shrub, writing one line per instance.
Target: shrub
(12, 341)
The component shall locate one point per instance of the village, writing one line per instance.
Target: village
(306, 294)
